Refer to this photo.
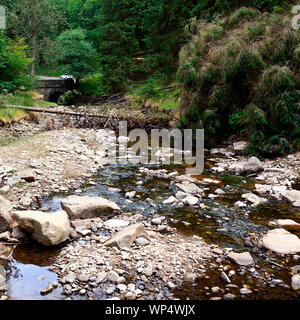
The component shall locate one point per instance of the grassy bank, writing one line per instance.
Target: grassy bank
(26, 99)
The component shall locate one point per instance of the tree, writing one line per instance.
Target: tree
(32, 19)
(77, 55)
(13, 64)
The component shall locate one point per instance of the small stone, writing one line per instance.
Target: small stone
(82, 291)
(112, 276)
(224, 277)
(229, 296)
(215, 289)
(48, 290)
(130, 296)
(245, 291)
(122, 287)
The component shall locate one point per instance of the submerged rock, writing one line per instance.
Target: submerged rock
(88, 207)
(281, 241)
(46, 228)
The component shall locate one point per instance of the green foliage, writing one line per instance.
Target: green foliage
(92, 84)
(248, 81)
(13, 65)
(68, 97)
(77, 55)
(241, 14)
(187, 75)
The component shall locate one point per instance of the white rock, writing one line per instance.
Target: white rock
(170, 200)
(281, 241)
(190, 200)
(292, 195)
(46, 228)
(251, 197)
(189, 188)
(252, 165)
(5, 210)
(286, 222)
(88, 207)
(116, 223)
(296, 282)
(240, 204)
(240, 146)
(126, 237)
(242, 259)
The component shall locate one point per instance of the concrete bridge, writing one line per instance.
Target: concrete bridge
(53, 87)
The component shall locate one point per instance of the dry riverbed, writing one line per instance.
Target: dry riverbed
(157, 261)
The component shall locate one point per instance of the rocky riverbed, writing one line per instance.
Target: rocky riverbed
(149, 232)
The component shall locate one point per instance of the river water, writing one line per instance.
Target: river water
(220, 223)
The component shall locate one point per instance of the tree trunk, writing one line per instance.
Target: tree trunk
(33, 54)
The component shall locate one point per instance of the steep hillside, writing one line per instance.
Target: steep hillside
(240, 76)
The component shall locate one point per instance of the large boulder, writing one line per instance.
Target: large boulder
(252, 165)
(240, 146)
(292, 196)
(46, 228)
(126, 237)
(88, 207)
(281, 241)
(5, 209)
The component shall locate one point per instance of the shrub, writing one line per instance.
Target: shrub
(187, 74)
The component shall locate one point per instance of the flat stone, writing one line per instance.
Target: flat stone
(170, 200)
(286, 222)
(251, 197)
(88, 207)
(141, 241)
(126, 237)
(229, 296)
(245, 291)
(240, 146)
(116, 223)
(292, 195)
(281, 241)
(242, 259)
(27, 175)
(190, 188)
